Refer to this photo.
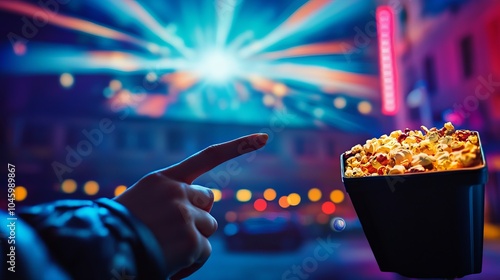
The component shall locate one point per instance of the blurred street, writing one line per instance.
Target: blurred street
(352, 259)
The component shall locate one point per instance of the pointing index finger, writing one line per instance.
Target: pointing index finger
(194, 166)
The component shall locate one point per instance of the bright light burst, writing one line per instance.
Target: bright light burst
(218, 66)
(229, 53)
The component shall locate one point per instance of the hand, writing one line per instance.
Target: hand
(177, 212)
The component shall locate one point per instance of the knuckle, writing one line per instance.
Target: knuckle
(192, 242)
(177, 190)
(203, 198)
(215, 225)
(185, 212)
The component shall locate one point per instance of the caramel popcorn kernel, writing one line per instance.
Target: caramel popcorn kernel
(411, 151)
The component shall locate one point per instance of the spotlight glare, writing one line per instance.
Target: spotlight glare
(217, 66)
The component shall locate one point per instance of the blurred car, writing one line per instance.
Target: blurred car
(269, 232)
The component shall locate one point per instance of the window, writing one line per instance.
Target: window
(466, 52)
(430, 74)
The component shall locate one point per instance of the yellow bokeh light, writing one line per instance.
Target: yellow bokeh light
(243, 195)
(279, 89)
(66, 80)
(120, 189)
(269, 194)
(217, 194)
(91, 187)
(283, 202)
(293, 199)
(339, 102)
(337, 196)
(68, 186)
(314, 194)
(364, 107)
(21, 193)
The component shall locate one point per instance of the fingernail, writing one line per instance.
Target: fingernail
(262, 138)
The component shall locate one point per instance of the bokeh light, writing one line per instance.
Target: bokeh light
(115, 85)
(293, 199)
(337, 196)
(260, 204)
(68, 186)
(231, 216)
(231, 229)
(91, 187)
(322, 218)
(120, 189)
(328, 207)
(364, 107)
(243, 195)
(283, 202)
(279, 89)
(339, 102)
(19, 48)
(269, 194)
(217, 195)
(21, 193)
(66, 80)
(314, 194)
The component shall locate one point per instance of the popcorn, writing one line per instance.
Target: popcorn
(414, 151)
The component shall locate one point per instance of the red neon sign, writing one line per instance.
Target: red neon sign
(387, 60)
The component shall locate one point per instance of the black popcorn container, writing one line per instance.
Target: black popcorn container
(423, 225)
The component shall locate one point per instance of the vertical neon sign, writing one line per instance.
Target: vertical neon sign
(387, 60)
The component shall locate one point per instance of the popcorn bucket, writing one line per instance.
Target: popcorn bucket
(423, 225)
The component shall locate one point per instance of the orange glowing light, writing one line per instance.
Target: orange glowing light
(308, 9)
(283, 202)
(77, 24)
(326, 48)
(120, 189)
(217, 195)
(269, 194)
(360, 85)
(314, 194)
(337, 196)
(294, 199)
(91, 187)
(69, 186)
(21, 193)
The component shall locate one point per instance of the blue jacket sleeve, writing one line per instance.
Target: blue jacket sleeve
(88, 240)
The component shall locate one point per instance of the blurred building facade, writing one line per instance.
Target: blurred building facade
(449, 60)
